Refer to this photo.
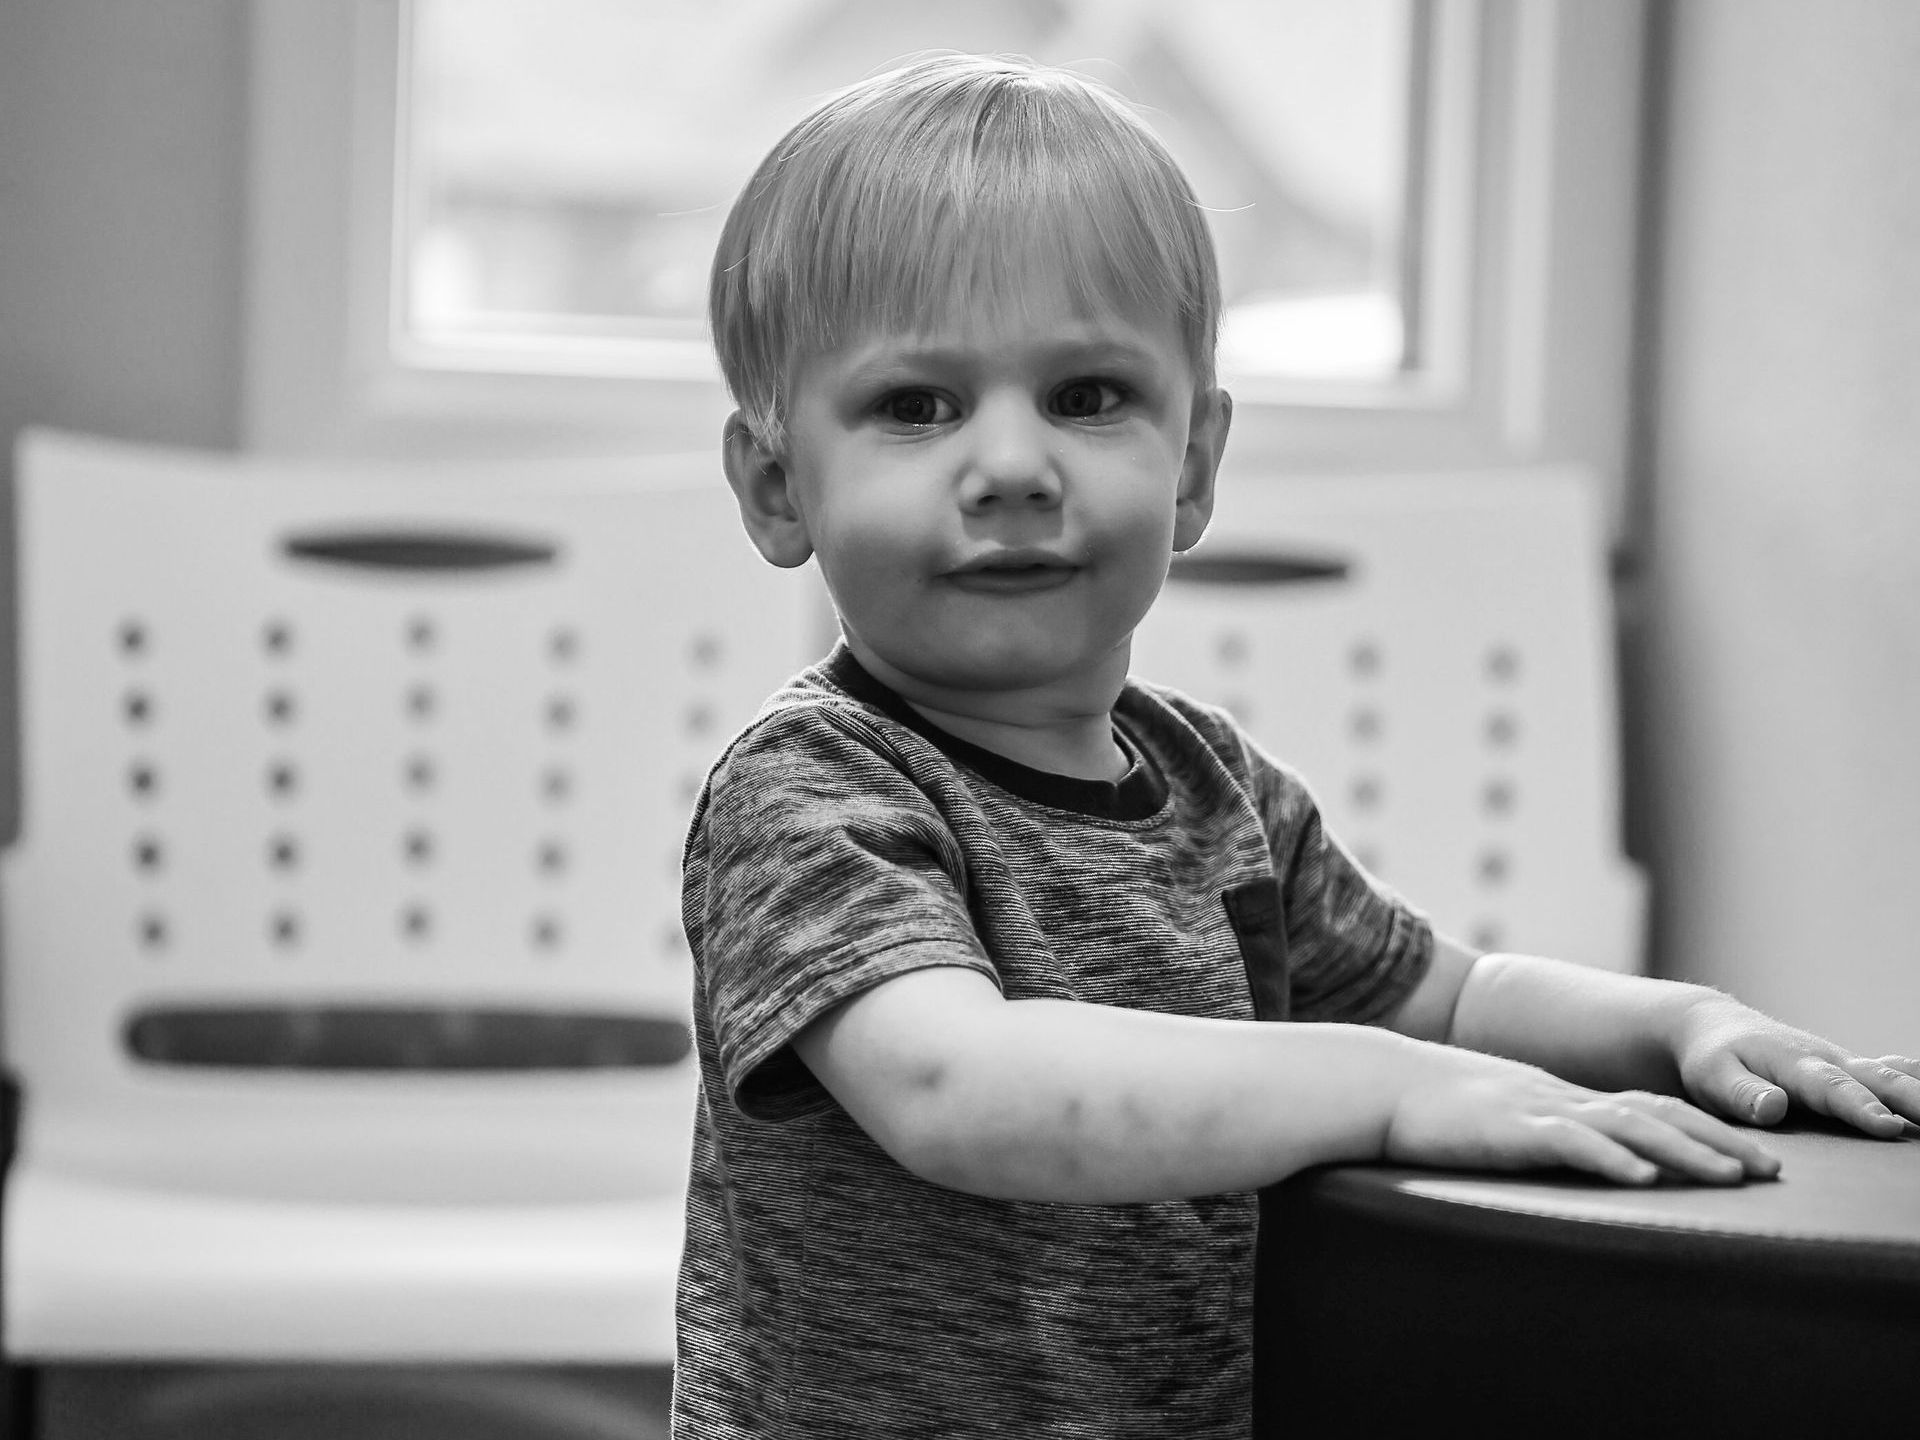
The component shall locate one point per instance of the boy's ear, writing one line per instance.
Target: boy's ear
(1206, 442)
(760, 485)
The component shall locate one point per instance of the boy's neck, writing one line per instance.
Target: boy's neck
(1062, 729)
(1079, 747)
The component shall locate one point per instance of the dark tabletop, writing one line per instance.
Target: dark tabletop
(1549, 1303)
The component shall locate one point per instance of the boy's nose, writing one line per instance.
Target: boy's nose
(1010, 461)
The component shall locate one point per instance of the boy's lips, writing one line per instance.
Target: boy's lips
(1013, 572)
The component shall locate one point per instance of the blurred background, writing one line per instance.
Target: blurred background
(1707, 213)
(1673, 243)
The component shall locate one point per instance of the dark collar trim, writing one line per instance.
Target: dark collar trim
(1137, 795)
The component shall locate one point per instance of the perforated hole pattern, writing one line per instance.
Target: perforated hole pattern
(423, 637)
(1501, 676)
(1494, 864)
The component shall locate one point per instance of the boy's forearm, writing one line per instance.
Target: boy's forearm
(1097, 1104)
(1594, 1027)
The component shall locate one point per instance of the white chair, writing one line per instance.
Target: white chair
(1435, 654)
(343, 975)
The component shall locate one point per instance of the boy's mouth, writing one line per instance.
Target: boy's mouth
(1014, 572)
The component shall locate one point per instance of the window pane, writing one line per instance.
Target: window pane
(567, 163)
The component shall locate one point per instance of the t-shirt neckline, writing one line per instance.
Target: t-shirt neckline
(1137, 795)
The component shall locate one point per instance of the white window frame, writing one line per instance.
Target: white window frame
(1526, 296)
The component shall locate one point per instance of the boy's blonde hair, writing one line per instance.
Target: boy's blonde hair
(945, 183)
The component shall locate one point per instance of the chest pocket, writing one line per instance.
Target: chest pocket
(1259, 924)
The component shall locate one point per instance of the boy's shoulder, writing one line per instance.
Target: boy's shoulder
(1211, 721)
(1187, 720)
(819, 698)
(806, 732)
(1276, 785)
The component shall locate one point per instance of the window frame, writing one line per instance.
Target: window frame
(1526, 295)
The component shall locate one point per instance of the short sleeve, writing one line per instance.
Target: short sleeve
(1355, 948)
(818, 869)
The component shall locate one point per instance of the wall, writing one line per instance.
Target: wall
(122, 197)
(1783, 775)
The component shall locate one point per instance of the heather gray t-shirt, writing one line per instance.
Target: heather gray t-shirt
(842, 839)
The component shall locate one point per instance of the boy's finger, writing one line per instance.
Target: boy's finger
(1895, 1079)
(1730, 1088)
(1673, 1149)
(1717, 1135)
(1834, 1091)
(1566, 1141)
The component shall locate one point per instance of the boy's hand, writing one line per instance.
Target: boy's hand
(1737, 1062)
(1483, 1112)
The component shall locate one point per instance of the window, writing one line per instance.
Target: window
(485, 223)
(566, 164)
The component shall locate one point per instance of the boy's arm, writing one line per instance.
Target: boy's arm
(1619, 1032)
(1061, 1100)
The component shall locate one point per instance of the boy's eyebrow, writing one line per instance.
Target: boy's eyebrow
(880, 360)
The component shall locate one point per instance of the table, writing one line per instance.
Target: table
(1391, 1298)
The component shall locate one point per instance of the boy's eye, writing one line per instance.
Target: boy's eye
(1086, 399)
(916, 407)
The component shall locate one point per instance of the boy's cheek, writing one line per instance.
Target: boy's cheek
(861, 572)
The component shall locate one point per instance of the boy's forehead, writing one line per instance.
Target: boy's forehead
(990, 294)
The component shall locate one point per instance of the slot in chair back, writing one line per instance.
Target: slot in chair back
(343, 973)
(1435, 655)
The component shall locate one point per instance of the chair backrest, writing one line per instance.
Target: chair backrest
(1435, 655)
(352, 806)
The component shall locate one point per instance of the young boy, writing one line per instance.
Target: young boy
(982, 928)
